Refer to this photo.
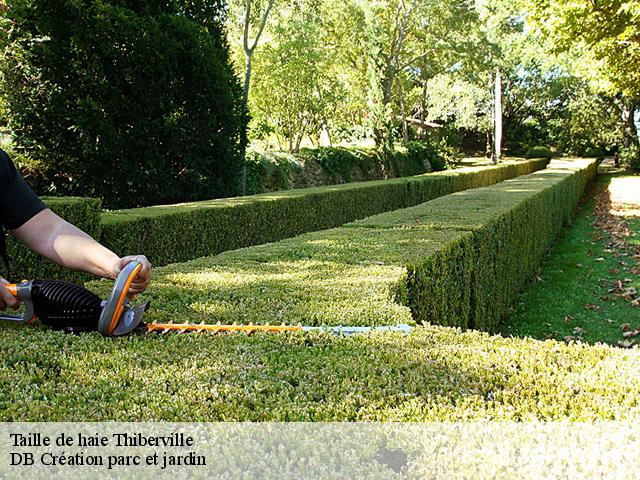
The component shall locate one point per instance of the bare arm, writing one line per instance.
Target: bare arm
(56, 239)
(65, 244)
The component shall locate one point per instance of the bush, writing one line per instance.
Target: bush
(539, 151)
(420, 158)
(472, 282)
(267, 173)
(630, 156)
(132, 102)
(339, 163)
(595, 152)
(361, 274)
(458, 261)
(450, 268)
(82, 212)
(175, 233)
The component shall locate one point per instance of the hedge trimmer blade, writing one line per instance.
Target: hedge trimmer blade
(203, 327)
(251, 328)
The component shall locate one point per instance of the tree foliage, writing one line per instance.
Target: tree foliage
(131, 101)
(605, 39)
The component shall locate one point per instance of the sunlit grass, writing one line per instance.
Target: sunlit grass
(578, 272)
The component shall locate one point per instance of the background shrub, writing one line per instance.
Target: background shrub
(539, 151)
(133, 102)
(267, 172)
(630, 156)
(595, 152)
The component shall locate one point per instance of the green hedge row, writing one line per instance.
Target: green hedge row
(458, 261)
(363, 273)
(82, 212)
(508, 227)
(176, 233)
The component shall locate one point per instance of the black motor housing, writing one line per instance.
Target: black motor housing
(65, 305)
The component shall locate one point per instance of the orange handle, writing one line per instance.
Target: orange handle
(12, 288)
(125, 291)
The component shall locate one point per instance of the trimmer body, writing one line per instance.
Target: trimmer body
(67, 306)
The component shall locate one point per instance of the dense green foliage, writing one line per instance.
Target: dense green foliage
(392, 268)
(269, 171)
(181, 232)
(603, 39)
(131, 102)
(539, 151)
(513, 223)
(395, 65)
(434, 374)
(82, 212)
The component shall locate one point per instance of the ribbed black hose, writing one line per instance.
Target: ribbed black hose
(65, 305)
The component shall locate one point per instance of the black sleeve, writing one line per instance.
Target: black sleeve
(18, 203)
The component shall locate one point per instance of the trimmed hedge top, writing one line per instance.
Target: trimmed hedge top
(174, 233)
(82, 212)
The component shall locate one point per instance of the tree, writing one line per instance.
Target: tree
(607, 37)
(295, 90)
(416, 40)
(131, 101)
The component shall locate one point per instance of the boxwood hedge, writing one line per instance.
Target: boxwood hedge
(458, 260)
(511, 225)
(363, 273)
(175, 233)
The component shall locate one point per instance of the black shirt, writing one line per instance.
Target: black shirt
(18, 203)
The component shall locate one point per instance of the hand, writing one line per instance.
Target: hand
(6, 299)
(143, 278)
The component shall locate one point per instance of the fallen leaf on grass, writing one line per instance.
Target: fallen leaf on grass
(568, 319)
(626, 327)
(592, 306)
(626, 343)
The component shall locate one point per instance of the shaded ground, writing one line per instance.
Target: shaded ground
(587, 287)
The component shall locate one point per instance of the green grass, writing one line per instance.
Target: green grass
(575, 273)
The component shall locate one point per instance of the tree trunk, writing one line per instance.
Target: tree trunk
(630, 130)
(423, 109)
(245, 140)
(497, 119)
(247, 74)
(403, 112)
(248, 51)
(488, 149)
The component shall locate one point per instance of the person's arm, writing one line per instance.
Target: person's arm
(63, 243)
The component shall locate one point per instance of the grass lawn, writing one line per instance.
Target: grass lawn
(580, 290)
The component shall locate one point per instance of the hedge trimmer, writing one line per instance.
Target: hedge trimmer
(67, 306)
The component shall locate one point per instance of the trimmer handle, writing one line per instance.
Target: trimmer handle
(23, 292)
(114, 306)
